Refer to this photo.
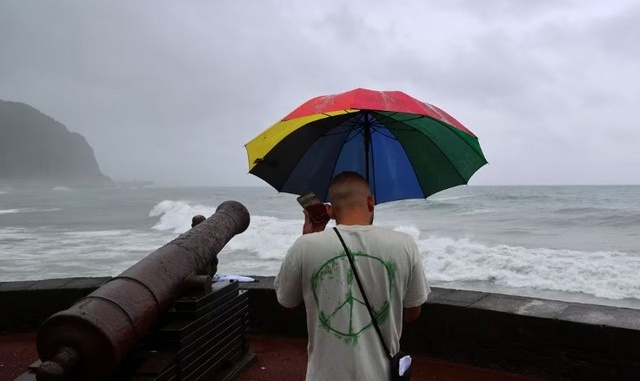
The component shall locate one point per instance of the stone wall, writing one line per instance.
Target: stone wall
(25, 305)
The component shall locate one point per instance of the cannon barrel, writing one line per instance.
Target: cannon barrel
(89, 340)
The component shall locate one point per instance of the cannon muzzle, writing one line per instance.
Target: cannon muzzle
(89, 340)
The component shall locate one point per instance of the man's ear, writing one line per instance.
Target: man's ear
(330, 211)
(371, 203)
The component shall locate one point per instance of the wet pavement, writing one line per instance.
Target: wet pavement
(17, 351)
(279, 358)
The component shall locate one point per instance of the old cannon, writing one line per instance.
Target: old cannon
(89, 340)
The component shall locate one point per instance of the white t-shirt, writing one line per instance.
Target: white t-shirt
(343, 344)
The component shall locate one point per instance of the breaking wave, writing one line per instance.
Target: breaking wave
(27, 210)
(606, 274)
(176, 215)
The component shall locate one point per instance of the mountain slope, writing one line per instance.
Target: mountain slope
(35, 146)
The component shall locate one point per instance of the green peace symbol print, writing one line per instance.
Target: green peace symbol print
(335, 289)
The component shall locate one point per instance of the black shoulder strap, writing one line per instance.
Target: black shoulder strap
(364, 296)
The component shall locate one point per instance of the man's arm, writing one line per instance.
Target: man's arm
(310, 227)
(411, 314)
(417, 289)
(288, 283)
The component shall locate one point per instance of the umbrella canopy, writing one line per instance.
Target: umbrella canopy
(405, 148)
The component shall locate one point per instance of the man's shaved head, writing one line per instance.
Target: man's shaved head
(349, 191)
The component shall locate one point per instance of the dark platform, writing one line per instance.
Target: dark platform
(202, 337)
(557, 340)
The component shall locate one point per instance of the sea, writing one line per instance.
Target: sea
(572, 243)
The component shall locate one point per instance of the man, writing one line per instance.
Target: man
(343, 344)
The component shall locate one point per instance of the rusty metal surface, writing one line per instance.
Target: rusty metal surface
(195, 283)
(106, 325)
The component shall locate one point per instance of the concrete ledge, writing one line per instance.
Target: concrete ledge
(558, 340)
(590, 314)
(27, 304)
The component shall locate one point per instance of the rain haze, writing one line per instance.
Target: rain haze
(171, 91)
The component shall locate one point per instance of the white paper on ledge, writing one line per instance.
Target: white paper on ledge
(238, 278)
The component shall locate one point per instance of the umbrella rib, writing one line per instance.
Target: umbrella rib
(407, 120)
(335, 163)
(300, 159)
(373, 163)
(350, 124)
(446, 125)
(440, 149)
(291, 173)
(424, 195)
(449, 127)
(358, 132)
(465, 142)
(385, 135)
(330, 115)
(351, 128)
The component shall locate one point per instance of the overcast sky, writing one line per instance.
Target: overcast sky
(171, 91)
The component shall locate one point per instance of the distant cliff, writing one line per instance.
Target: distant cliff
(33, 146)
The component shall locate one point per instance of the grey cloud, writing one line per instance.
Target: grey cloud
(619, 34)
(170, 91)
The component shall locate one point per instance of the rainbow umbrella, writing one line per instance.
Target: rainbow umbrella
(404, 147)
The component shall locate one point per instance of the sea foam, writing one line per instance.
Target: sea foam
(267, 237)
(606, 274)
(27, 210)
(602, 274)
(176, 215)
(38, 251)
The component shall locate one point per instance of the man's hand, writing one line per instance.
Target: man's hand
(311, 227)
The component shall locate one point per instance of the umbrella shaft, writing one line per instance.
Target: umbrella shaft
(367, 144)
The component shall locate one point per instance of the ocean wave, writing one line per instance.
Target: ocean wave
(14, 234)
(580, 210)
(606, 274)
(267, 237)
(413, 231)
(96, 233)
(620, 220)
(27, 210)
(476, 211)
(421, 204)
(39, 253)
(449, 198)
(60, 188)
(595, 216)
(176, 215)
(518, 197)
